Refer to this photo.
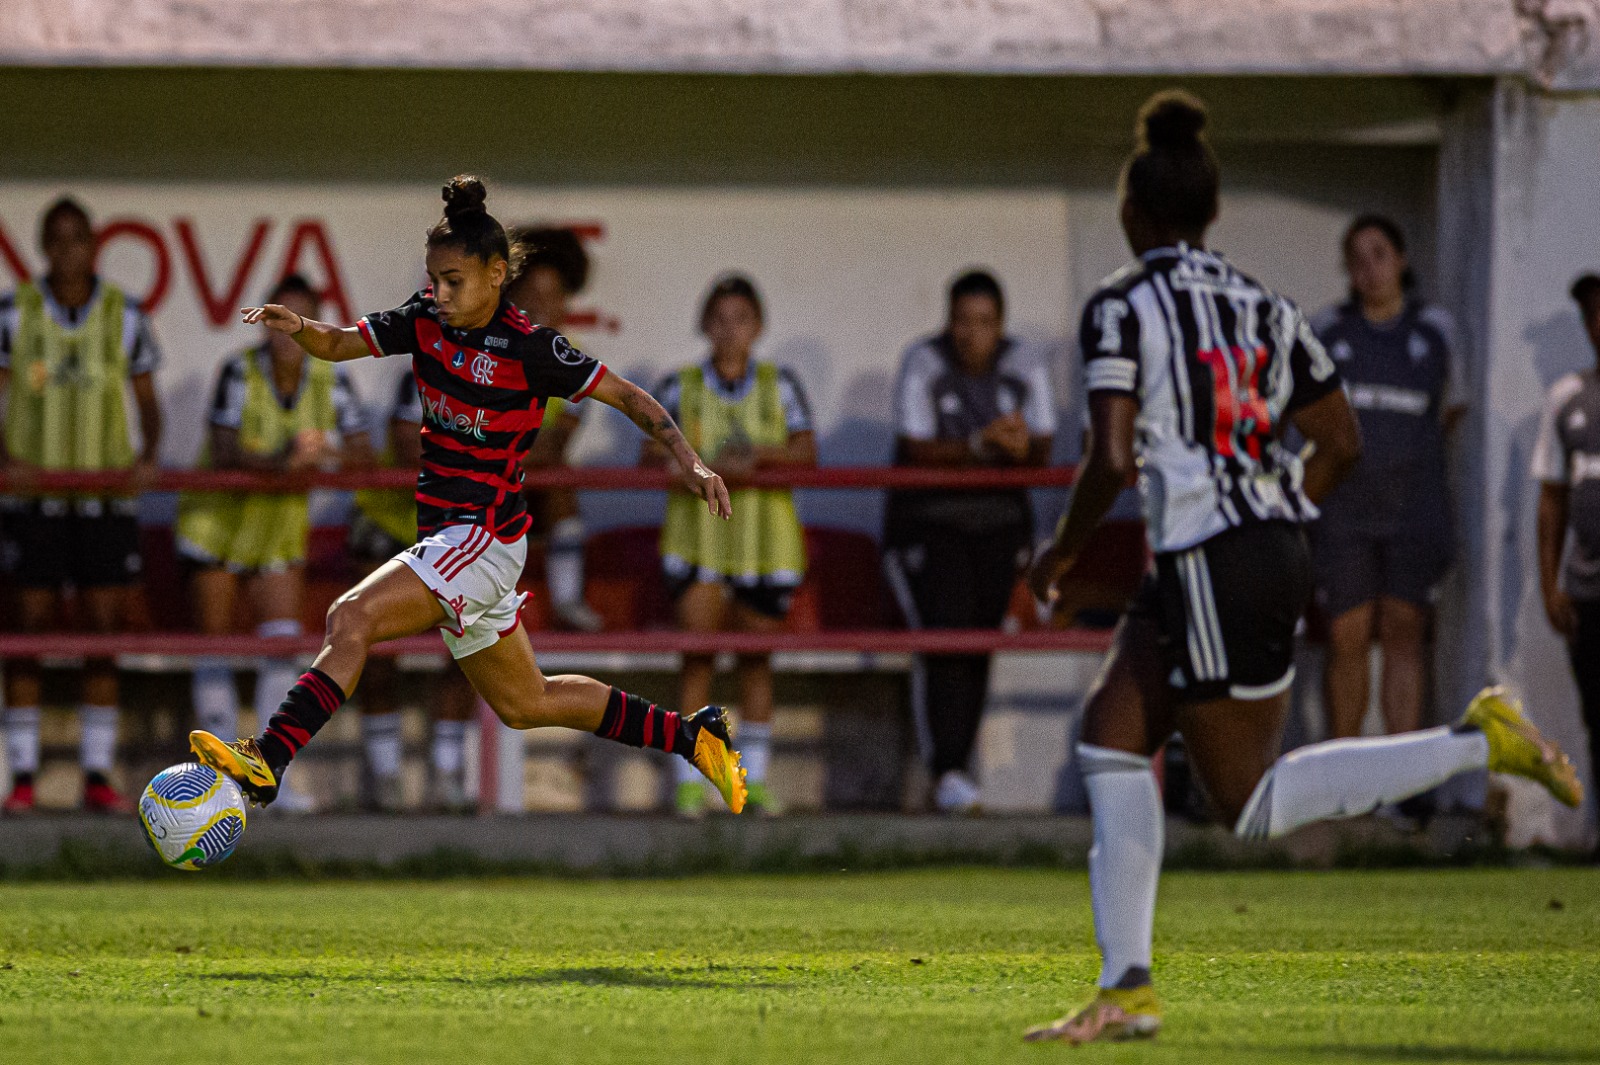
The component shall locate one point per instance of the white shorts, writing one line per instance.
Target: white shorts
(475, 576)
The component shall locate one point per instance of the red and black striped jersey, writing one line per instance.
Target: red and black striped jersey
(483, 395)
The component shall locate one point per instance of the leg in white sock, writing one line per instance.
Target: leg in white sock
(1344, 778)
(564, 561)
(684, 772)
(1125, 860)
(274, 676)
(755, 749)
(449, 746)
(98, 743)
(22, 739)
(216, 698)
(382, 735)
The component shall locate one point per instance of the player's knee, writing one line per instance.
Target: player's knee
(525, 709)
(350, 620)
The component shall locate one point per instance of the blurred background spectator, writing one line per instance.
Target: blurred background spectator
(741, 415)
(69, 347)
(555, 268)
(967, 396)
(274, 410)
(384, 524)
(1566, 463)
(1386, 536)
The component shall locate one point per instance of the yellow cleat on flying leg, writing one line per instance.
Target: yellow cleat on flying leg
(715, 757)
(1516, 746)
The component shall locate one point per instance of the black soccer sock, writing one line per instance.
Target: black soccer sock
(307, 707)
(638, 722)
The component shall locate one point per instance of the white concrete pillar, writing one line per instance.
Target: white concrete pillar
(1520, 221)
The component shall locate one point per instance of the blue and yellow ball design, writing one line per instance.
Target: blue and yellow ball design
(192, 815)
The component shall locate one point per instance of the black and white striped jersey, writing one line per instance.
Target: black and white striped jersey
(1217, 363)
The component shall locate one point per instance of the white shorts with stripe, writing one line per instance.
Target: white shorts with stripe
(475, 576)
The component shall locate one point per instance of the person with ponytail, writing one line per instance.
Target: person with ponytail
(485, 373)
(1194, 370)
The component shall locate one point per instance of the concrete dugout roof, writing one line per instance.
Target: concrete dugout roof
(1551, 40)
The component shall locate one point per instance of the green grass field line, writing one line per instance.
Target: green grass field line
(934, 967)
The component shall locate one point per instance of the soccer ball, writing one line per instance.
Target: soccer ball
(192, 815)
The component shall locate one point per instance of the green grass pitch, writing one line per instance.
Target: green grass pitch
(939, 967)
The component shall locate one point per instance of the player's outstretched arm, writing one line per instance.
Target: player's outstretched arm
(1104, 473)
(322, 341)
(642, 409)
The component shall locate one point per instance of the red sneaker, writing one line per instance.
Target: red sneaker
(20, 801)
(102, 798)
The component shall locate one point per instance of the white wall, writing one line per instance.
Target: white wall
(849, 276)
(1546, 231)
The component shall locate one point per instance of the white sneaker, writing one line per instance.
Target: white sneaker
(577, 615)
(957, 793)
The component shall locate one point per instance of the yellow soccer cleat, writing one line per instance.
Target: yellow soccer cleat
(714, 754)
(1113, 1016)
(1516, 746)
(242, 760)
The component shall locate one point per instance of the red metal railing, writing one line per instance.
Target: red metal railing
(865, 641)
(593, 478)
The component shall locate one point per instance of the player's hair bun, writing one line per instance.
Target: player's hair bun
(1172, 121)
(464, 195)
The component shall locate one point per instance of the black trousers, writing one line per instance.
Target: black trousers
(946, 578)
(1585, 654)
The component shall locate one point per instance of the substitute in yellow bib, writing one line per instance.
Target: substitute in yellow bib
(73, 349)
(275, 411)
(739, 575)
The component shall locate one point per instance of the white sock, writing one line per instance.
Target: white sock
(22, 739)
(382, 735)
(216, 699)
(686, 773)
(1125, 860)
(1344, 778)
(98, 747)
(563, 563)
(274, 676)
(755, 749)
(449, 746)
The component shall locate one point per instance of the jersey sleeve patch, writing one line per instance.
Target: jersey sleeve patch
(1109, 340)
(556, 367)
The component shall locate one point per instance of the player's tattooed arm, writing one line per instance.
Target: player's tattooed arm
(642, 409)
(330, 343)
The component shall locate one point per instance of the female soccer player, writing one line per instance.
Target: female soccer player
(484, 372)
(1193, 370)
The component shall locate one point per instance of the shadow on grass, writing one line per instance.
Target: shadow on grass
(1437, 1053)
(721, 978)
